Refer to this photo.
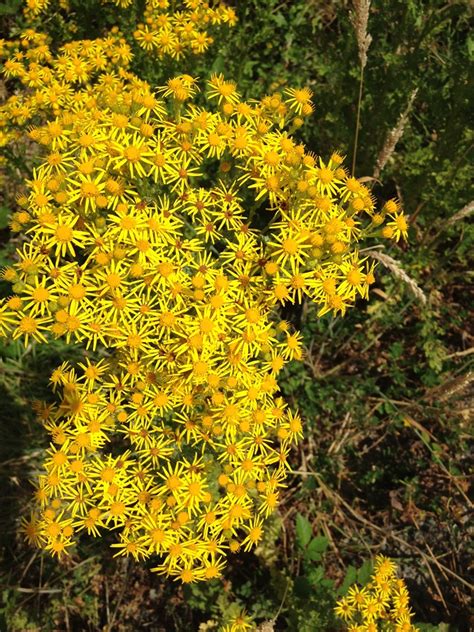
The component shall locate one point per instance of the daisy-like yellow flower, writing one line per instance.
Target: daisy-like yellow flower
(298, 99)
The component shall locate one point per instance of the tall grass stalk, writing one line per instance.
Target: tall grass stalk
(360, 19)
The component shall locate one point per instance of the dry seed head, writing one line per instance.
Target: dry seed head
(395, 268)
(394, 136)
(360, 19)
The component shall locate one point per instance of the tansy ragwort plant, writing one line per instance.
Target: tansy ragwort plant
(162, 237)
(52, 83)
(381, 606)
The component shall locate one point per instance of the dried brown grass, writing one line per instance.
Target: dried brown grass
(396, 269)
(393, 137)
(360, 20)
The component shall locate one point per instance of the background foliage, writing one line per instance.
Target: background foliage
(386, 392)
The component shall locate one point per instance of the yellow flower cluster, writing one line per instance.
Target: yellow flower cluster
(239, 622)
(164, 33)
(165, 30)
(382, 605)
(51, 83)
(176, 436)
(33, 8)
(162, 236)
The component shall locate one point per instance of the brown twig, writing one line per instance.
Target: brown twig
(435, 582)
(111, 620)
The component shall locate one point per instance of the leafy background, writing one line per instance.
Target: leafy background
(386, 393)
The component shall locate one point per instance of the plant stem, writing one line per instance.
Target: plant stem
(359, 102)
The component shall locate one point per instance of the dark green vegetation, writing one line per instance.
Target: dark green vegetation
(386, 392)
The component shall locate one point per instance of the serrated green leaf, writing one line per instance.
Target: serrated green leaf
(316, 547)
(316, 575)
(304, 531)
(319, 543)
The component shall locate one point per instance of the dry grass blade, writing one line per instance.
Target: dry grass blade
(395, 268)
(393, 137)
(360, 21)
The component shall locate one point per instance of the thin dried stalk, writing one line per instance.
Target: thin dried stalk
(394, 136)
(457, 217)
(395, 268)
(360, 20)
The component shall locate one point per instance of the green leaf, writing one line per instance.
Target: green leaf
(304, 531)
(280, 19)
(4, 216)
(327, 583)
(218, 65)
(364, 572)
(349, 579)
(470, 47)
(316, 575)
(316, 547)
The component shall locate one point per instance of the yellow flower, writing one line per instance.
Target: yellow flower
(345, 609)
(298, 98)
(399, 226)
(381, 604)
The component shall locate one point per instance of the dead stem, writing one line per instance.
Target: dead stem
(111, 620)
(356, 136)
(464, 212)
